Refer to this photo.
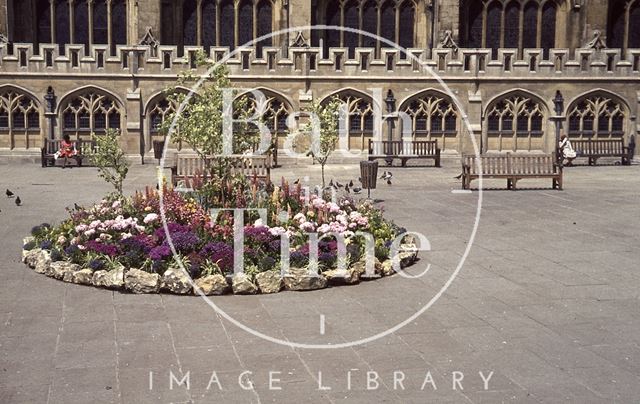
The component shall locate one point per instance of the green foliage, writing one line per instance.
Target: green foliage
(110, 159)
(200, 124)
(324, 130)
(210, 268)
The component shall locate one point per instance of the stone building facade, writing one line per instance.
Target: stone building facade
(488, 67)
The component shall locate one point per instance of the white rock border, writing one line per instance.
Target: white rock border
(135, 280)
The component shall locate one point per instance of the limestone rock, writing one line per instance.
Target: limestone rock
(361, 268)
(28, 239)
(269, 282)
(42, 262)
(407, 255)
(62, 269)
(242, 285)
(83, 276)
(299, 279)
(138, 281)
(175, 281)
(31, 257)
(212, 285)
(387, 268)
(113, 279)
(342, 277)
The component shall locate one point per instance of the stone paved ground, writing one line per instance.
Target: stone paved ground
(547, 300)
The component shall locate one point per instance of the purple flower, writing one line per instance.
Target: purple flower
(71, 250)
(257, 234)
(184, 241)
(96, 264)
(46, 244)
(141, 242)
(102, 248)
(160, 253)
(219, 252)
(173, 228)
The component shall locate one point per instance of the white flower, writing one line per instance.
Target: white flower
(325, 228)
(258, 223)
(150, 218)
(105, 236)
(89, 232)
(126, 236)
(116, 205)
(62, 239)
(277, 231)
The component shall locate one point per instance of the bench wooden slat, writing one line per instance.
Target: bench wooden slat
(189, 166)
(416, 149)
(512, 168)
(593, 149)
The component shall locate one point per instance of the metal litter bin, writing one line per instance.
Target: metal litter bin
(368, 175)
(158, 148)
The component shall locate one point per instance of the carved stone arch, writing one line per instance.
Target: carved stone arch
(598, 113)
(360, 120)
(516, 120)
(434, 116)
(158, 95)
(516, 92)
(86, 89)
(90, 109)
(21, 117)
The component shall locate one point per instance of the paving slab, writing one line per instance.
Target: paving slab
(547, 300)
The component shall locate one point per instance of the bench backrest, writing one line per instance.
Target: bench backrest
(509, 164)
(83, 147)
(532, 165)
(599, 146)
(399, 148)
(192, 165)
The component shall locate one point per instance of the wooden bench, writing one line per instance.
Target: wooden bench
(417, 149)
(593, 149)
(189, 166)
(50, 147)
(512, 167)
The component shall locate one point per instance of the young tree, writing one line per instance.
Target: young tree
(110, 159)
(200, 123)
(323, 129)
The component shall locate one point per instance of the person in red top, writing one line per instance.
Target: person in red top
(67, 149)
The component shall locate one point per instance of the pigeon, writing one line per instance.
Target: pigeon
(18, 201)
(339, 185)
(458, 176)
(388, 180)
(9, 193)
(351, 184)
(346, 188)
(331, 184)
(384, 176)
(296, 182)
(360, 179)
(357, 190)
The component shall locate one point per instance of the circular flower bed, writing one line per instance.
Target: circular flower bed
(121, 242)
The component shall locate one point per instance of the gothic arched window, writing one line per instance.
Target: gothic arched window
(77, 22)
(596, 116)
(515, 123)
(392, 20)
(624, 18)
(90, 112)
(359, 120)
(18, 112)
(433, 117)
(509, 24)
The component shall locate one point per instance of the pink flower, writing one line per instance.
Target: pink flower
(150, 218)
(277, 231)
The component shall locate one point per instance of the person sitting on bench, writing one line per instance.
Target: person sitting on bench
(567, 150)
(67, 149)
